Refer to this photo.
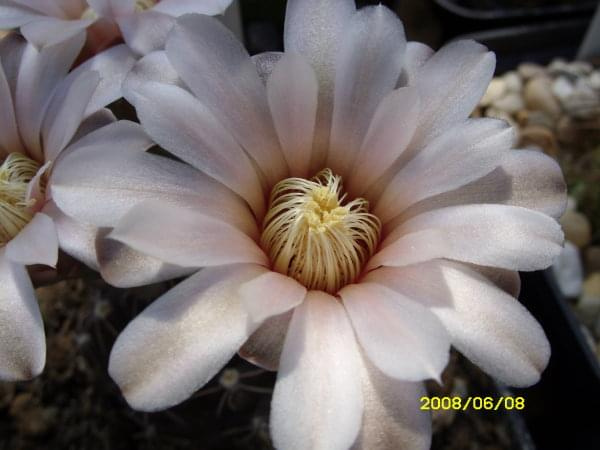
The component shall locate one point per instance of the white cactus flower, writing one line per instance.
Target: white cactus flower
(351, 222)
(143, 24)
(44, 111)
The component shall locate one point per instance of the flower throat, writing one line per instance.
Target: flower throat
(313, 237)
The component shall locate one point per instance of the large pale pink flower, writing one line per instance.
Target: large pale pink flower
(351, 222)
(44, 111)
(143, 24)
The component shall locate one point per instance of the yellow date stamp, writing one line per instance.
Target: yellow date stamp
(476, 403)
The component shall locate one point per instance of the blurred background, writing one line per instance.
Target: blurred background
(548, 93)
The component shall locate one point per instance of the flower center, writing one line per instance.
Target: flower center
(16, 172)
(313, 237)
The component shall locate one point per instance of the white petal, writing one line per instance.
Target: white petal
(524, 178)
(263, 348)
(177, 8)
(94, 122)
(50, 30)
(39, 75)
(9, 133)
(146, 31)
(416, 55)
(292, 92)
(502, 236)
(317, 402)
(393, 418)
(265, 62)
(22, 340)
(450, 84)
(183, 339)
(13, 16)
(12, 47)
(465, 153)
(487, 325)
(390, 131)
(48, 8)
(152, 67)
(310, 31)
(366, 70)
(37, 243)
(124, 267)
(231, 89)
(183, 126)
(269, 295)
(185, 236)
(75, 238)
(403, 339)
(112, 8)
(112, 65)
(66, 113)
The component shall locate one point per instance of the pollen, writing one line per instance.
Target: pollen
(16, 172)
(312, 234)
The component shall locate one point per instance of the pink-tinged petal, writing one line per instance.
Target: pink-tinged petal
(269, 295)
(310, 31)
(39, 75)
(152, 67)
(146, 31)
(393, 418)
(366, 70)
(486, 324)
(318, 402)
(460, 155)
(13, 16)
(194, 329)
(112, 8)
(292, 91)
(35, 188)
(9, 133)
(390, 131)
(462, 68)
(508, 237)
(124, 267)
(112, 65)
(22, 339)
(99, 119)
(263, 348)
(183, 126)
(177, 8)
(66, 112)
(12, 47)
(74, 238)
(265, 62)
(416, 55)
(231, 89)
(99, 184)
(48, 8)
(402, 338)
(185, 236)
(524, 178)
(49, 30)
(37, 243)
(507, 280)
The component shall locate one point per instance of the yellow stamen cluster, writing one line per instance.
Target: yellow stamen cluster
(16, 172)
(311, 236)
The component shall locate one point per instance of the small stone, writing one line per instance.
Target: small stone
(580, 68)
(577, 228)
(510, 103)
(541, 137)
(538, 96)
(513, 81)
(530, 70)
(572, 132)
(588, 306)
(568, 271)
(583, 102)
(594, 80)
(495, 91)
(557, 65)
(591, 258)
(571, 204)
(525, 117)
(562, 88)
